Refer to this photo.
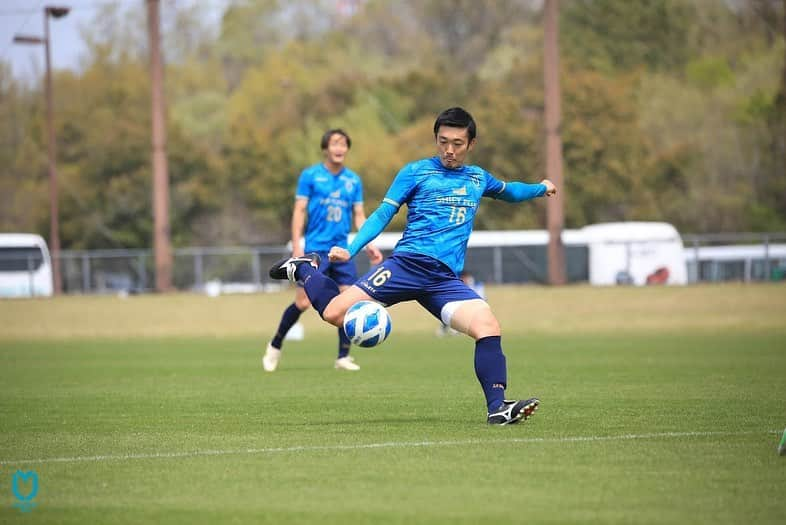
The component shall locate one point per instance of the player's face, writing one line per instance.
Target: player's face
(337, 150)
(453, 144)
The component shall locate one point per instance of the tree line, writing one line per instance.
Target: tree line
(673, 110)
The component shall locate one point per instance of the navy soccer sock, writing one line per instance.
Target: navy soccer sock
(343, 343)
(290, 317)
(320, 289)
(491, 370)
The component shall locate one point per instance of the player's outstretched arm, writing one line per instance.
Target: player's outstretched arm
(373, 226)
(374, 255)
(521, 191)
(298, 225)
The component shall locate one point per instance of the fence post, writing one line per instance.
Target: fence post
(198, 284)
(696, 258)
(628, 257)
(766, 257)
(142, 270)
(255, 271)
(30, 271)
(86, 272)
(498, 265)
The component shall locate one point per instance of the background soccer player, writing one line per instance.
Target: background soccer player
(442, 196)
(329, 195)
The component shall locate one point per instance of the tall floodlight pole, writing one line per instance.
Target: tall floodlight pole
(51, 144)
(555, 211)
(162, 247)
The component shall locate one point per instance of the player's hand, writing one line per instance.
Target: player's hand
(374, 255)
(337, 254)
(551, 189)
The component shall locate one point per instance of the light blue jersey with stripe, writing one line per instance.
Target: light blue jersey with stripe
(442, 204)
(331, 199)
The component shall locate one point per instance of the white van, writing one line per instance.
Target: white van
(631, 253)
(25, 266)
(636, 253)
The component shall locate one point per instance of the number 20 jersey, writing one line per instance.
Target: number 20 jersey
(331, 199)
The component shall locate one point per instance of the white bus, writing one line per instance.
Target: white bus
(637, 253)
(25, 266)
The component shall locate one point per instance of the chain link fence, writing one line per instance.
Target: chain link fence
(726, 257)
(742, 257)
(244, 269)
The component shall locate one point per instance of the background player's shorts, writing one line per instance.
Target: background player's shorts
(413, 277)
(344, 274)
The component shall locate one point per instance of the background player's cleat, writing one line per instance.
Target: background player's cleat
(512, 411)
(271, 358)
(346, 363)
(285, 268)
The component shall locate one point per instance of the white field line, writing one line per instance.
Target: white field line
(392, 444)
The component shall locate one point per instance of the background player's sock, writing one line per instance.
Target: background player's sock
(290, 317)
(343, 343)
(319, 288)
(491, 370)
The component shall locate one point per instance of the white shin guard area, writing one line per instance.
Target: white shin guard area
(460, 314)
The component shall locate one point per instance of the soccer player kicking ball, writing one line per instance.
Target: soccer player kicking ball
(442, 196)
(328, 196)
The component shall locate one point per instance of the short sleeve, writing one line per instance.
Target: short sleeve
(402, 187)
(304, 185)
(494, 186)
(358, 197)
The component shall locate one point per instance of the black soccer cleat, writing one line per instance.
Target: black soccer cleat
(285, 268)
(512, 411)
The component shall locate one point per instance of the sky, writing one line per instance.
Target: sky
(26, 17)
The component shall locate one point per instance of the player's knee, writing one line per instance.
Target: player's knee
(333, 314)
(484, 324)
(302, 303)
(472, 317)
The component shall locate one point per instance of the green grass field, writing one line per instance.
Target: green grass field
(660, 405)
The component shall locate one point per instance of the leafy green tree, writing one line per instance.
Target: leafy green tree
(618, 35)
(24, 194)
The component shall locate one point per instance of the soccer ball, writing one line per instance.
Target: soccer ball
(367, 323)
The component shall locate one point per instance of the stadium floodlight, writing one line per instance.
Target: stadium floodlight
(26, 39)
(57, 12)
(54, 225)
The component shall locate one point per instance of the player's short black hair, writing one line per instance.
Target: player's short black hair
(336, 131)
(456, 118)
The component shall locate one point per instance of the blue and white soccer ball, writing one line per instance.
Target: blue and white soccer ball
(367, 323)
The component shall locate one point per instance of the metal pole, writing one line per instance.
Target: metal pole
(256, 271)
(697, 261)
(199, 280)
(54, 226)
(555, 214)
(498, 275)
(628, 257)
(141, 272)
(30, 271)
(86, 278)
(161, 233)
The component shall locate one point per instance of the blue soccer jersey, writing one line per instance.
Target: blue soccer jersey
(442, 204)
(331, 199)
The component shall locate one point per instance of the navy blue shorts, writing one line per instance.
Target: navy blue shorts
(344, 274)
(413, 277)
